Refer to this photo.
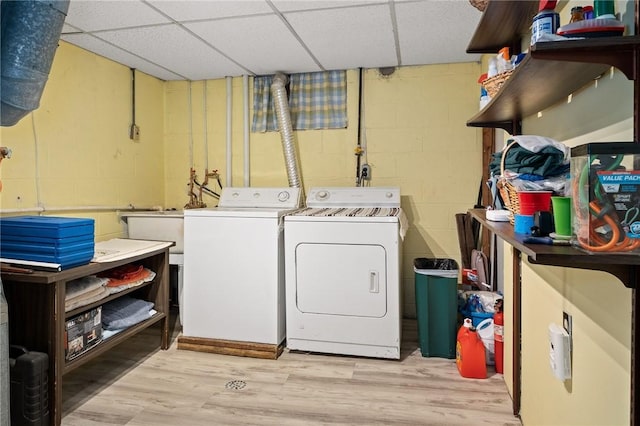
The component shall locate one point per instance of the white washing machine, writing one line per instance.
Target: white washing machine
(343, 265)
(234, 268)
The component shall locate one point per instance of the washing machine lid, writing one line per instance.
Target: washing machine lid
(354, 197)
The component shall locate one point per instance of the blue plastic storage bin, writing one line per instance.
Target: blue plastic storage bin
(65, 241)
(476, 317)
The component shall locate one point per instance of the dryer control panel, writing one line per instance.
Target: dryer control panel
(247, 197)
(354, 197)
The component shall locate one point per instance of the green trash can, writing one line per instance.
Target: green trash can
(436, 282)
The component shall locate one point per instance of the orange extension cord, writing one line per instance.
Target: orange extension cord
(595, 242)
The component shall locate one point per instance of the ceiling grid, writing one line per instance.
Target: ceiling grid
(210, 39)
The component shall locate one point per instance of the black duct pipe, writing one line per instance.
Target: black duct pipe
(30, 34)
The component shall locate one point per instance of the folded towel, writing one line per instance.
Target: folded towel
(134, 275)
(84, 285)
(124, 312)
(85, 298)
(118, 286)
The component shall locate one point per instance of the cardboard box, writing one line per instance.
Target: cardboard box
(83, 332)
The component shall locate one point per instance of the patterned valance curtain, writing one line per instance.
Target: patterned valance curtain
(264, 114)
(316, 101)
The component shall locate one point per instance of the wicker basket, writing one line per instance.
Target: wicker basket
(508, 192)
(481, 5)
(492, 85)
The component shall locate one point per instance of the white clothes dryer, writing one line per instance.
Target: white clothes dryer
(343, 265)
(234, 301)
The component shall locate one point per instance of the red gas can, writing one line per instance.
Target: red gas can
(498, 336)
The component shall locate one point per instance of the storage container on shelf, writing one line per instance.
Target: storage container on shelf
(606, 197)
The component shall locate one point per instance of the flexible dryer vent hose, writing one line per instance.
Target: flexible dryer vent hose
(279, 93)
(30, 35)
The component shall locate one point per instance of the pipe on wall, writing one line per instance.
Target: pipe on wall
(191, 163)
(283, 115)
(245, 96)
(30, 35)
(229, 122)
(205, 125)
(43, 209)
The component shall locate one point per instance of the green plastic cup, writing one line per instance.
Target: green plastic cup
(562, 215)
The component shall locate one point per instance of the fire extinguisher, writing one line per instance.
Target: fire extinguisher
(498, 336)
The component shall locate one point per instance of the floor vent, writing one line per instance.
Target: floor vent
(236, 384)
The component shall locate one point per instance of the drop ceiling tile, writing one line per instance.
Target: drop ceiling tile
(425, 31)
(102, 48)
(348, 38)
(95, 15)
(262, 44)
(196, 10)
(296, 5)
(340, 34)
(173, 48)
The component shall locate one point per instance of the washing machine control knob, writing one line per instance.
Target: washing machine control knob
(235, 194)
(389, 194)
(283, 196)
(256, 195)
(322, 195)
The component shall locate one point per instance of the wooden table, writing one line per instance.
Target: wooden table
(37, 314)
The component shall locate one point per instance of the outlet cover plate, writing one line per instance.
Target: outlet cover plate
(567, 324)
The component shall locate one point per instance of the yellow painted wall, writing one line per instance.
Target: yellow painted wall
(74, 150)
(415, 138)
(598, 393)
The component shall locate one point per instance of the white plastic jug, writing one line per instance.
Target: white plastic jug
(485, 331)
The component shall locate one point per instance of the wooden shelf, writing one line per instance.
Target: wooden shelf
(534, 86)
(92, 268)
(84, 308)
(502, 24)
(623, 266)
(551, 72)
(619, 52)
(109, 343)
(37, 314)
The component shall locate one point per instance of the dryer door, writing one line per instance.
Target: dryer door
(341, 279)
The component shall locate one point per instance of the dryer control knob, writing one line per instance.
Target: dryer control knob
(283, 196)
(322, 195)
(256, 195)
(235, 194)
(389, 194)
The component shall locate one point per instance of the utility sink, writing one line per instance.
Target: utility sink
(166, 225)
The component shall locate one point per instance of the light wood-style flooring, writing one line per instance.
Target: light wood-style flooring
(138, 384)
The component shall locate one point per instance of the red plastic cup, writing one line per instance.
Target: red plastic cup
(534, 201)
